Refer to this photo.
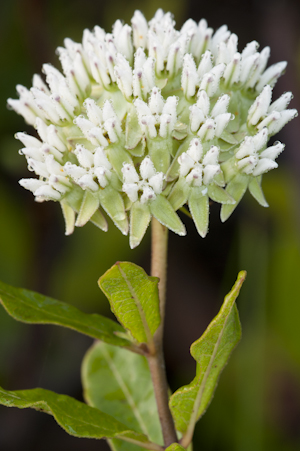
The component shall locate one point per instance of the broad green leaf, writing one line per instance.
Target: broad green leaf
(199, 208)
(117, 155)
(160, 153)
(163, 211)
(118, 382)
(218, 194)
(140, 217)
(88, 207)
(76, 418)
(133, 131)
(236, 188)
(69, 217)
(133, 297)
(31, 307)
(99, 220)
(257, 192)
(211, 353)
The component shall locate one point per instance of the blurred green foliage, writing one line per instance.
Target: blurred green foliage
(257, 403)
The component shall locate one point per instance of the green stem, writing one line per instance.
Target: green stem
(156, 358)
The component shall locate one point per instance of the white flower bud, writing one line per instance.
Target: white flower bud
(246, 148)
(186, 163)
(272, 152)
(102, 174)
(260, 139)
(166, 125)
(87, 182)
(170, 107)
(264, 165)
(270, 76)
(94, 113)
(38, 83)
(32, 152)
(260, 106)
(221, 35)
(27, 140)
(285, 117)
(233, 69)
(129, 174)
(122, 38)
(142, 108)
(31, 184)
(195, 176)
(203, 102)
(221, 106)
(209, 172)
(148, 195)
(156, 182)
(211, 157)
(207, 130)
(250, 49)
(247, 164)
(196, 117)
(84, 156)
(148, 126)
(84, 124)
(205, 64)
(74, 171)
(281, 103)
(140, 30)
(95, 135)
(100, 159)
(53, 166)
(47, 192)
(221, 122)
(189, 77)
(131, 189)
(156, 101)
(38, 167)
(147, 169)
(270, 121)
(123, 73)
(195, 150)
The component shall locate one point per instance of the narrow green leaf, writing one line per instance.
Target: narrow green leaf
(163, 211)
(211, 353)
(160, 153)
(139, 220)
(133, 131)
(133, 297)
(118, 382)
(30, 307)
(88, 207)
(117, 155)
(199, 208)
(228, 137)
(76, 418)
(236, 188)
(99, 220)
(257, 192)
(112, 202)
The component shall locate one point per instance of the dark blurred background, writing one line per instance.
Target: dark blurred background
(257, 403)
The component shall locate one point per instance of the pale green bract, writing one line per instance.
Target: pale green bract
(146, 119)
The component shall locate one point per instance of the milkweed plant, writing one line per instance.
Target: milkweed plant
(139, 124)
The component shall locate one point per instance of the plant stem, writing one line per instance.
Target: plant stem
(156, 358)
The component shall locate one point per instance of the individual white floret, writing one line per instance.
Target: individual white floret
(271, 75)
(189, 77)
(156, 182)
(212, 156)
(129, 173)
(260, 106)
(205, 64)
(264, 165)
(84, 156)
(147, 169)
(131, 189)
(123, 73)
(195, 150)
(140, 30)
(281, 103)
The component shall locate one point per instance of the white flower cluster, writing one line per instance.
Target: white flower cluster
(147, 118)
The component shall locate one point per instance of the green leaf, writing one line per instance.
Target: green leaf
(175, 447)
(139, 220)
(211, 352)
(99, 220)
(30, 307)
(257, 192)
(133, 131)
(133, 297)
(160, 153)
(199, 208)
(76, 418)
(117, 156)
(118, 382)
(88, 207)
(112, 203)
(163, 211)
(69, 217)
(236, 188)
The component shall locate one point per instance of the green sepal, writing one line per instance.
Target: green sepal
(179, 194)
(139, 150)
(88, 207)
(229, 138)
(117, 156)
(75, 417)
(229, 169)
(99, 220)
(218, 194)
(173, 170)
(236, 188)
(119, 383)
(69, 217)
(133, 297)
(257, 192)
(112, 202)
(133, 131)
(140, 217)
(199, 208)
(163, 211)
(34, 308)
(178, 135)
(160, 153)
(211, 353)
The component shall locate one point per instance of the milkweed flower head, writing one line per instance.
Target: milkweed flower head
(146, 119)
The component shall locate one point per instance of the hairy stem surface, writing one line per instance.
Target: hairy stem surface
(156, 359)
